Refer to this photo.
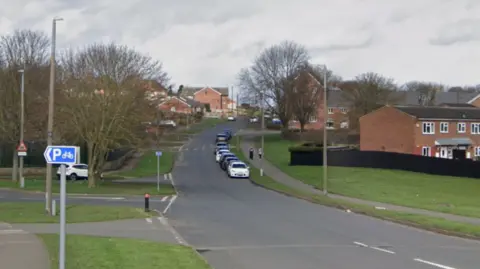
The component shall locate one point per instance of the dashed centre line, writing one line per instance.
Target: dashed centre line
(372, 247)
(433, 264)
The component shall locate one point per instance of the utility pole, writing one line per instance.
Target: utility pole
(263, 131)
(48, 185)
(22, 122)
(325, 140)
(236, 105)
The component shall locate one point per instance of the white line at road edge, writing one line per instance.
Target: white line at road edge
(170, 177)
(165, 176)
(433, 264)
(175, 234)
(169, 204)
(149, 220)
(361, 244)
(164, 198)
(383, 250)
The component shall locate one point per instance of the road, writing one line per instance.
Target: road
(237, 225)
(159, 203)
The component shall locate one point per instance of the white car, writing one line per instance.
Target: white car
(252, 120)
(231, 118)
(238, 169)
(75, 171)
(219, 154)
(170, 123)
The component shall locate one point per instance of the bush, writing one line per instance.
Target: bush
(271, 126)
(307, 147)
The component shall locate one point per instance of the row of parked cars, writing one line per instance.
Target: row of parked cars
(227, 161)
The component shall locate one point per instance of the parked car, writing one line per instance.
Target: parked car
(238, 170)
(170, 123)
(225, 155)
(222, 137)
(220, 145)
(253, 120)
(75, 171)
(219, 154)
(224, 164)
(231, 118)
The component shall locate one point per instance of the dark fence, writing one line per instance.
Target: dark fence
(390, 160)
(35, 157)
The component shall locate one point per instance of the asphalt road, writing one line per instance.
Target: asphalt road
(158, 203)
(237, 225)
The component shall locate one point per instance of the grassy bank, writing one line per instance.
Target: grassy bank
(32, 212)
(438, 193)
(106, 187)
(147, 166)
(88, 252)
(439, 225)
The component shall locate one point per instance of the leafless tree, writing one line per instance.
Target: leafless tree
(271, 74)
(104, 100)
(366, 93)
(427, 90)
(23, 49)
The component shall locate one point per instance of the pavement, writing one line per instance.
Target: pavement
(237, 225)
(276, 174)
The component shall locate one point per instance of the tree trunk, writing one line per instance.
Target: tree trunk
(15, 166)
(91, 168)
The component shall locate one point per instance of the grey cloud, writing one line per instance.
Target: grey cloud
(462, 31)
(361, 44)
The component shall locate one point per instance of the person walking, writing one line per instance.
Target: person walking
(260, 153)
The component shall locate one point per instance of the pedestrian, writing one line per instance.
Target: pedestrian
(251, 152)
(260, 153)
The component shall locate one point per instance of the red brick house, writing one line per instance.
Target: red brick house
(444, 132)
(180, 105)
(215, 97)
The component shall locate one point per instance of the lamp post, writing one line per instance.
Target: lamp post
(48, 185)
(22, 122)
(263, 131)
(325, 140)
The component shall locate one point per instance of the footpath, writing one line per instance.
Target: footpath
(278, 175)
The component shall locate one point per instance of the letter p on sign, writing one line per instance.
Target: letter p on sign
(56, 153)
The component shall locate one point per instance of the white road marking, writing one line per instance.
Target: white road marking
(361, 244)
(175, 234)
(149, 220)
(434, 264)
(164, 198)
(165, 177)
(170, 177)
(12, 232)
(383, 250)
(169, 204)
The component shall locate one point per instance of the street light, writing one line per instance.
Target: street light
(263, 131)
(325, 120)
(22, 122)
(48, 185)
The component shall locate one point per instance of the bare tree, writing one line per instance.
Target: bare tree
(366, 93)
(103, 99)
(271, 74)
(29, 49)
(427, 90)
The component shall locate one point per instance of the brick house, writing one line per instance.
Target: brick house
(217, 97)
(444, 132)
(180, 105)
(155, 91)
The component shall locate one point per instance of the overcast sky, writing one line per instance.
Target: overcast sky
(206, 42)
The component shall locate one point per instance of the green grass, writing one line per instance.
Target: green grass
(425, 222)
(106, 187)
(33, 212)
(147, 166)
(89, 252)
(453, 195)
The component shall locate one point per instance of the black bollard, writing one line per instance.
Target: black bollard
(147, 202)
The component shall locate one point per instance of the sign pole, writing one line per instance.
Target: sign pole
(22, 123)
(158, 173)
(63, 200)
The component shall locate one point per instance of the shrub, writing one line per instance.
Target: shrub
(271, 126)
(306, 147)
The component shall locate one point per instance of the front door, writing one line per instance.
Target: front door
(459, 154)
(443, 152)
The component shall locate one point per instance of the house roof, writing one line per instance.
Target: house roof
(441, 113)
(189, 102)
(189, 91)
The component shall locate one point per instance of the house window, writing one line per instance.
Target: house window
(330, 123)
(426, 151)
(343, 110)
(330, 111)
(344, 124)
(461, 127)
(475, 128)
(444, 127)
(428, 128)
(477, 151)
(313, 118)
(173, 109)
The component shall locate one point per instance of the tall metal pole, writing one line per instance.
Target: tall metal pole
(22, 122)
(48, 180)
(63, 217)
(325, 140)
(263, 130)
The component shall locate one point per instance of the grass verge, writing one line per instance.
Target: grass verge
(147, 166)
(89, 252)
(452, 195)
(434, 224)
(106, 187)
(33, 212)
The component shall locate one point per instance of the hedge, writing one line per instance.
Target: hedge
(306, 147)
